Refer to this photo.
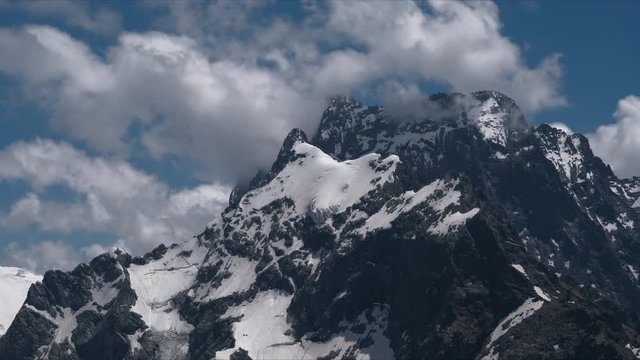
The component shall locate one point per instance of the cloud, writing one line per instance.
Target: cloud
(42, 256)
(94, 250)
(77, 14)
(222, 114)
(562, 126)
(224, 94)
(618, 144)
(404, 101)
(210, 21)
(450, 42)
(110, 196)
(218, 85)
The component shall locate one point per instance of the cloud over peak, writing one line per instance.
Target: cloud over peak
(218, 85)
(226, 105)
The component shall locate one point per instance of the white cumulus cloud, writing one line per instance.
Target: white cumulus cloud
(42, 256)
(112, 197)
(618, 144)
(452, 42)
(207, 85)
(226, 102)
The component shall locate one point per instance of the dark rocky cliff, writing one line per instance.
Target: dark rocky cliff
(463, 233)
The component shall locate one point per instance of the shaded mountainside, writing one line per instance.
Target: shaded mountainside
(463, 233)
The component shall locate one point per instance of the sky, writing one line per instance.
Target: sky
(128, 123)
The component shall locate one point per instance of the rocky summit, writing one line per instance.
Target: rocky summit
(459, 232)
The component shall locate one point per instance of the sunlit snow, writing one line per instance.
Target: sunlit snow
(14, 284)
(158, 281)
(263, 331)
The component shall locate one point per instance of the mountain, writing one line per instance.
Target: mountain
(14, 284)
(458, 232)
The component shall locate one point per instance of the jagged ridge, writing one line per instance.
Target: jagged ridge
(464, 233)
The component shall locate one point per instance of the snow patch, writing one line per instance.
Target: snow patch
(491, 123)
(157, 282)
(541, 293)
(500, 156)
(564, 155)
(520, 269)
(634, 351)
(318, 183)
(66, 323)
(242, 275)
(624, 220)
(438, 195)
(452, 221)
(528, 308)
(393, 208)
(491, 355)
(610, 227)
(633, 271)
(263, 331)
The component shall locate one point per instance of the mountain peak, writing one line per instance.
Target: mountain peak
(498, 117)
(295, 136)
(348, 129)
(287, 152)
(338, 100)
(285, 156)
(505, 232)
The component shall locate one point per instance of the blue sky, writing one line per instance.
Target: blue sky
(127, 123)
(600, 53)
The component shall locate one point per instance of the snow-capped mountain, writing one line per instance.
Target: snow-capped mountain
(461, 233)
(14, 284)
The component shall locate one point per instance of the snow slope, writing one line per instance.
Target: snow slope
(263, 330)
(158, 281)
(564, 153)
(352, 241)
(439, 195)
(318, 183)
(491, 121)
(528, 308)
(14, 284)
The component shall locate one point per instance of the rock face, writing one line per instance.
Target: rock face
(463, 233)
